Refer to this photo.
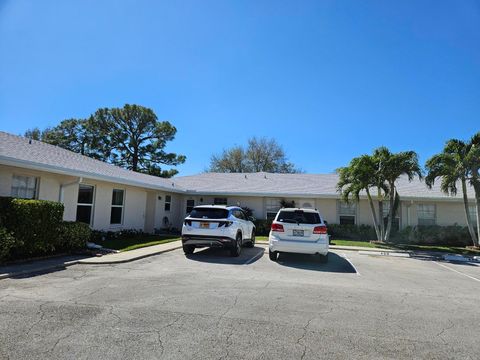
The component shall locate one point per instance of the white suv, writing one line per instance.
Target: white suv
(298, 231)
(217, 226)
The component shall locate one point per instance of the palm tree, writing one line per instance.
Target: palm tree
(473, 162)
(358, 176)
(391, 167)
(453, 165)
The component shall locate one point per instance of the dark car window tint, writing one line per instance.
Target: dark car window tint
(205, 213)
(239, 214)
(299, 217)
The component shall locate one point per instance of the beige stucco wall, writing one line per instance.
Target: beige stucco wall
(50, 188)
(134, 210)
(145, 209)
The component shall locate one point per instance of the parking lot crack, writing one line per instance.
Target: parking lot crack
(300, 340)
(41, 311)
(439, 335)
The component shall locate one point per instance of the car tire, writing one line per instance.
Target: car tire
(188, 249)
(251, 243)
(273, 255)
(237, 247)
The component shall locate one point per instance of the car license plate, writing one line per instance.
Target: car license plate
(204, 225)
(297, 232)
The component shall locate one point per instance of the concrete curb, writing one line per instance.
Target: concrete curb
(104, 260)
(353, 248)
(38, 270)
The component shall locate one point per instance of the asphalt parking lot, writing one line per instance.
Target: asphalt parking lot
(211, 306)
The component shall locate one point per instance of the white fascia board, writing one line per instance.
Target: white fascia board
(65, 171)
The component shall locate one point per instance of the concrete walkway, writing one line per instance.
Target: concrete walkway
(131, 255)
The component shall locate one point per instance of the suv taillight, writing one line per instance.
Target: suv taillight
(188, 222)
(322, 229)
(277, 227)
(225, 223)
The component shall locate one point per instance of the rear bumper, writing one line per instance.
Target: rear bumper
(207, 241)
(297, 246)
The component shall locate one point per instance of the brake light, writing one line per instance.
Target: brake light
(188, 222)
(277, 227)
(322, 229)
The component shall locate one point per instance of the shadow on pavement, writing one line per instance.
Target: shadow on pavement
(335, 264)
(222, 256)
(26, 269)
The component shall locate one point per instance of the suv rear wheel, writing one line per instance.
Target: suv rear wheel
(251, 243)
(273, 255)
(237, 247)
(188, 249)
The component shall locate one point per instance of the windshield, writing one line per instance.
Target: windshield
(299, 216)
(206, 213)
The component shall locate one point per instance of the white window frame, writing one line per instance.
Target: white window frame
(118, 206)
(419, 211)
(92, 205)
(25, 189)
(272, 206)
(220, 201)
(341, 213)
(168, 202)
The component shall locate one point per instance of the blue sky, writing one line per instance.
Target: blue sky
(329, 80)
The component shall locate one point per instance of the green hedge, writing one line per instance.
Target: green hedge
(7, 242)
(37, 229)
(74, 235)
(352, 232)
(433, 235)
(418, 235)
(262, 227)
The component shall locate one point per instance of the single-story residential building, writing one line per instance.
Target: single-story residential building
(111, 198)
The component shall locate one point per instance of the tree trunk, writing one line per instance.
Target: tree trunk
(374, 215)
(390, 212)
(135, 160)
(380, 214)
(477, 203)
(471, 230)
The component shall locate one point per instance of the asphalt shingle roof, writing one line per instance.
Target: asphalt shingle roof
(294, 185)
(56, 159)
(21, 151)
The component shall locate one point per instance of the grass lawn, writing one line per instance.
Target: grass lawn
(366, 244)
(448, 249)
(133, 243)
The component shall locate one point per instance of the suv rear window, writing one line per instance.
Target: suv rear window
(299, 217)
(205, 213)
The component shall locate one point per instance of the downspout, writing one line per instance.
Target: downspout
(63, 186)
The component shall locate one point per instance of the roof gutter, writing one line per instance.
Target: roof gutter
(63, 186)
(5, 160)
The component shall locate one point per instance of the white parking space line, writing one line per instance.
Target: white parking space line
(458, 272)
(353, 266)
(249, 261)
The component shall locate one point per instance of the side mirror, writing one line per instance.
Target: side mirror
(251, 218)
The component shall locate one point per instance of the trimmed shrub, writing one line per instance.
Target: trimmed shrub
(434, 235)
(5, 209)
(74, 235)
(352, 232)
(262, 227)
(35, 225)
(97, 236)
(7, 242)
